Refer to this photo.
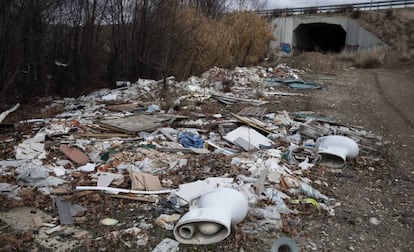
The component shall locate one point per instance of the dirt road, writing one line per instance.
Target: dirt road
(377, 211)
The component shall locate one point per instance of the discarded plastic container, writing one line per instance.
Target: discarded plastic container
(335, 150)
(209, 220)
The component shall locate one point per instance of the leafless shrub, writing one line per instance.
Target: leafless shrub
(70, 46)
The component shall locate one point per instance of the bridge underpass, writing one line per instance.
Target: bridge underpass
(319, 37)
(321, 33)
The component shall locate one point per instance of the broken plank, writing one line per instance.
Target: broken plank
(184, 150)
(137, 198)
(102, 135)
(250, 123)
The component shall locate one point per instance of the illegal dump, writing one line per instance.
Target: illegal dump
(161, 165)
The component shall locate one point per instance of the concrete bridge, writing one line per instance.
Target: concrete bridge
(315, 29)
(321, 33)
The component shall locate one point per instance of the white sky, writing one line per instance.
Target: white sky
(274, 4)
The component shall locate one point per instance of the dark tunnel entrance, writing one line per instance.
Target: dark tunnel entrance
(321, 37)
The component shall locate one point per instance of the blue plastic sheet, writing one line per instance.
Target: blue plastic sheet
(188, 139)
(292, 83)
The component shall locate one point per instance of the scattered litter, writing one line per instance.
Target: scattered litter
(55, 229)
(166, 221)
(121, 190)
(231, 100)
(106, 178)
(292, 83)
(31, 148)
(186, 169)
(374, 221)
(109, 222)
(11, 191)
(67, 211)
(188, 139)
(194, 190)
(74, 154)
(248, 138)
(136, 123)
(312, 192)
(144, 181)
(167, 244)
(89, 167)
(4, 114)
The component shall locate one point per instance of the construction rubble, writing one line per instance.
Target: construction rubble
(115, 167)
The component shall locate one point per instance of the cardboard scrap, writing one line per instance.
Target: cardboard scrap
(37, 220)
(81, 234)
(74, 154)
(144, 181)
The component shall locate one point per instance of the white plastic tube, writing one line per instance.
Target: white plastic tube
(210, 218)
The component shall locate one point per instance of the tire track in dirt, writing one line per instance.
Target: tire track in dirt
(391, 105)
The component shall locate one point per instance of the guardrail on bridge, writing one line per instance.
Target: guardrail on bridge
(338, 8)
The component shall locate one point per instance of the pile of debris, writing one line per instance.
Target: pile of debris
(188, 171)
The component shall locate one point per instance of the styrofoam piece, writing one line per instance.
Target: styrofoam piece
(89, 167)
(195, 189)
(335, 150)
(59, 170)
(210, 218)
(247, 135)
(29, 150)
(32, 147)
(106, 178)
(109, 97)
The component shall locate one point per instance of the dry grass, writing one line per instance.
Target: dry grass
(369, 58)
(233, 40)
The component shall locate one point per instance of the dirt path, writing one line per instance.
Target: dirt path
(381, 100)
(396, 92)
